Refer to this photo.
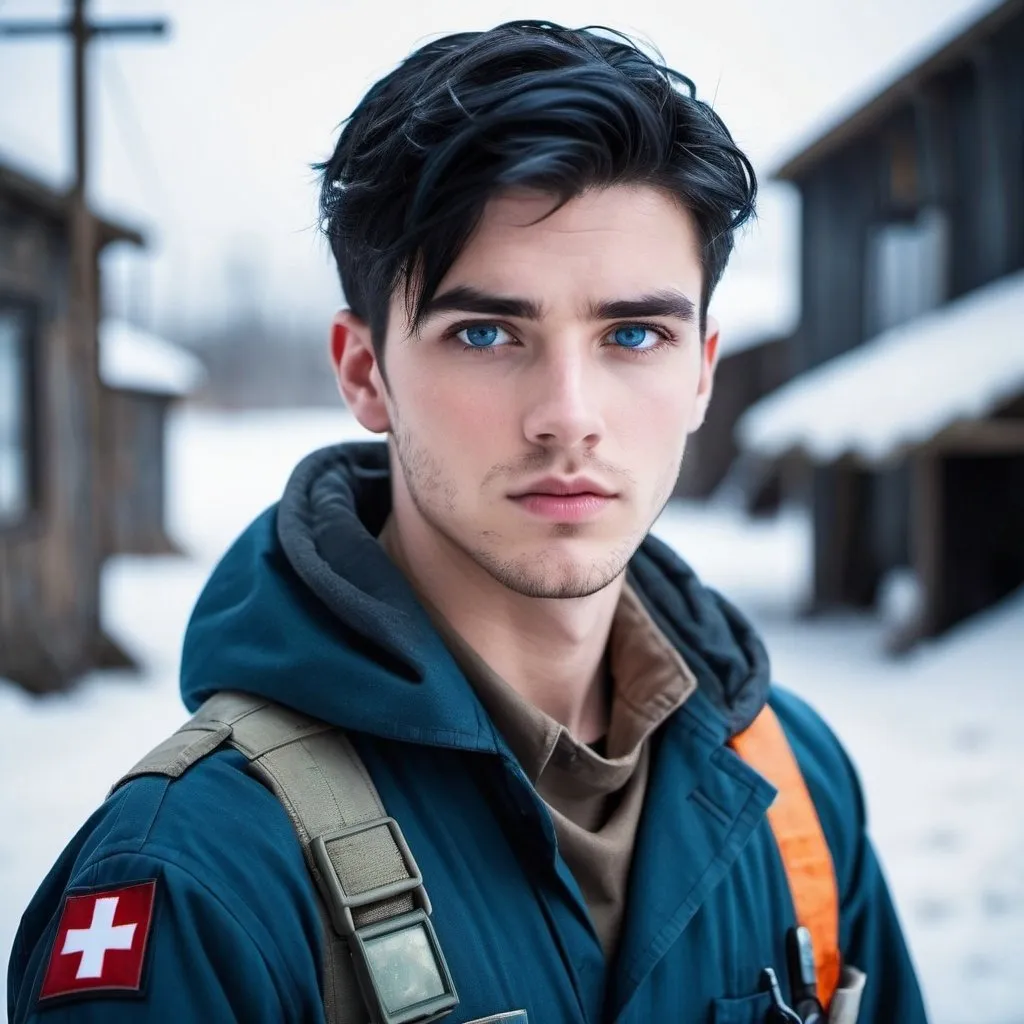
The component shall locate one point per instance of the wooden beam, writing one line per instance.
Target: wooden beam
(926, 537)
(989, 437)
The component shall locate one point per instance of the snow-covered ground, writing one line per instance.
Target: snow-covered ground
(935, 735)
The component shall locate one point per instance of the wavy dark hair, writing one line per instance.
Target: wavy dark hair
(528, 104)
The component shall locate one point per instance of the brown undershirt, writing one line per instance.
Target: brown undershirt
(595, 796)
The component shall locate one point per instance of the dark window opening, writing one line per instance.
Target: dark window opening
(18, 442)
(908, 269)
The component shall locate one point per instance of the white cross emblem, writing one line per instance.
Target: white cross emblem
(102, 935)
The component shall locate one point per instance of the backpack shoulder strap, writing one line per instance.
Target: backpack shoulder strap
(802, 844)
(381, 955)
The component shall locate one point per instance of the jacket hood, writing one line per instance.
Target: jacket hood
(307, 609)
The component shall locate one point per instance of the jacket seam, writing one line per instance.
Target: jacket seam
(166, 861)
(135, 842)
(694, 898)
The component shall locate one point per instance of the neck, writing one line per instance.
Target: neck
(549, 650)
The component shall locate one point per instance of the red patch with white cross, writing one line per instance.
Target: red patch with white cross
(101, 942)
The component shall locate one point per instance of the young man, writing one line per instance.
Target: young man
(528, 224)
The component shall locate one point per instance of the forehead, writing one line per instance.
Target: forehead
(605, 244)
(526, 217)
(607, 230)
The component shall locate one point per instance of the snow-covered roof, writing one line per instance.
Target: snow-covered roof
(935, 55)
(36, 189)
(957, 362)
(132, 359)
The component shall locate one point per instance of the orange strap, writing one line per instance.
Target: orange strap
(802, 845)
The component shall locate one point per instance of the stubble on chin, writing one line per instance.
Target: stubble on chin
(554, 576)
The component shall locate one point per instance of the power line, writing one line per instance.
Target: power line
(133, 134)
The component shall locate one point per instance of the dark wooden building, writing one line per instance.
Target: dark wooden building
(748, 370)
(66, 499)
(913, 213)
(756, 311)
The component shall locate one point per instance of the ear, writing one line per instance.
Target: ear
(356, 368)
(708, 364)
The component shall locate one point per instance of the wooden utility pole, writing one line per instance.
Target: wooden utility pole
(82, 32)
(84, 286)
(83, 300)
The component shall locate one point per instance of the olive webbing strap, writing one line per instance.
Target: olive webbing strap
(353, 850)
(356, 854)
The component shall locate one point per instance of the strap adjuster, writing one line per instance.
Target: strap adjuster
(340, 902)
(398, 961)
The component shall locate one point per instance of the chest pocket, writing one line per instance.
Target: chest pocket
(748, 1010)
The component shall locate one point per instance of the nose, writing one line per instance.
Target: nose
(562, 403)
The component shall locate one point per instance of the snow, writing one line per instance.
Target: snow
(754, 307)
(958, 362)
(135, 360)
(935, 735)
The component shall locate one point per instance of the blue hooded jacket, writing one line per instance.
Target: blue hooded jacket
(307, 609)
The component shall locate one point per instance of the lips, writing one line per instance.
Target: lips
(574, 500)
(573, 487)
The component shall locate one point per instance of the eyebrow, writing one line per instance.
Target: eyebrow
(465, 299)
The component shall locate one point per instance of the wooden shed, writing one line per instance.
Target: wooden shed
(933, 410)
(913, 217)
(142, 377)
(66, 500)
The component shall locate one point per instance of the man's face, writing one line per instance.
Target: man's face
(524, 380)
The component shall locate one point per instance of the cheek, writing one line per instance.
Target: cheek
(455, 413)
(655, 407)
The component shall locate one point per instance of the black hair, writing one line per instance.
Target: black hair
(528, 104)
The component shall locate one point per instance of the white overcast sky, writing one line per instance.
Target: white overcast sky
(205, 138)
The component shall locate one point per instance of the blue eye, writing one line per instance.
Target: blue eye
(633, 336)
(491, 336)
(480, 335)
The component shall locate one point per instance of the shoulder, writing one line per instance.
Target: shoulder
(830, 776)
(216, 822)
(229, 881)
